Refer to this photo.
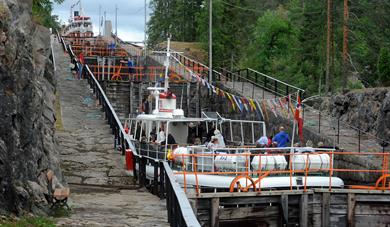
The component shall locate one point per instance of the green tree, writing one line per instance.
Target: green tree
(173, 17)
(384, 66)
(273, 49)
(42, 13)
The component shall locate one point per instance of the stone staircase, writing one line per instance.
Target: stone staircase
(118, 92)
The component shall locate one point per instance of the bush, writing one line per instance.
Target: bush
(30, 222)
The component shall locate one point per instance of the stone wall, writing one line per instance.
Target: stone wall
(27, 95)
(367, 109)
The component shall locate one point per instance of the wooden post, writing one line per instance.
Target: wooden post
(329, 40)
(325, 211)
(351, 209)
(214, 218)
(303, 208)
(345, 44)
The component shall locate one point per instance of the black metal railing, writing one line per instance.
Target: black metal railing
(162, 183)
(254, 79)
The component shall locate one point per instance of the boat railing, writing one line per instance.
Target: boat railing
(93, 50)
(247, 167)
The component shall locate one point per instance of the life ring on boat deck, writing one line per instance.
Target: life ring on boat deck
(236, 182)
(116, 77)
(170, 155)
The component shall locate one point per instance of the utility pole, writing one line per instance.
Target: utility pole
(116, 24)
(104, 24)
(328, 44)
(100, 19)
(145, 48)
(211, 41)
(166, 64)
(116, 20)
(345, 45)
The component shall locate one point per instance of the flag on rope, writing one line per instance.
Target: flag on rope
(239, 105)
(244, 103)
(252, 104)
(231, 101)
(291, 106)
(264, 110)
(203, 82)
(282, 107)
(260, 110)
(213, 88)
(299, 117)
(272, 107)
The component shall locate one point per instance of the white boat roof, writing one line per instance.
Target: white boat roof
(153, 117)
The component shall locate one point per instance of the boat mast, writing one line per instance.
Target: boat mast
(166, 80)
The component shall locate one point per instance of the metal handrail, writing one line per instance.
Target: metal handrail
(279, 81)
(185, 208)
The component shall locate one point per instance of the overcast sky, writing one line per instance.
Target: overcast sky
(130, 15)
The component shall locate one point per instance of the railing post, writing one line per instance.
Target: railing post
(253, 91)
(338, 130)
(275, 88)
(135, 177)
(319, 121)
(359, 139)
(242, 87)
(162, 181)
(155, 179)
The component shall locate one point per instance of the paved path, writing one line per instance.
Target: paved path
(88, 157)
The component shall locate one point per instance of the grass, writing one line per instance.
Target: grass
(29, 222)
(190, 49)
(59, 126)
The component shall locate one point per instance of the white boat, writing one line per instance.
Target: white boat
(166, 134)
(79, 24)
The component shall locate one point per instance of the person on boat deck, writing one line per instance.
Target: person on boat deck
(210, 134)
(170, 140)
(130, 65)
(145, 105)
(309, 143)
(262, 142)
(161, 134)
(214, 143)
(281, 138)
(221, 140)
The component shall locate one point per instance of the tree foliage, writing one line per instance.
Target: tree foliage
(384, 66)
(42, 13)
(173, 17)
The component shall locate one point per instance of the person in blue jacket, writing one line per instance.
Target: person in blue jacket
(282, 139)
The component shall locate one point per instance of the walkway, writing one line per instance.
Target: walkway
(102, 194)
